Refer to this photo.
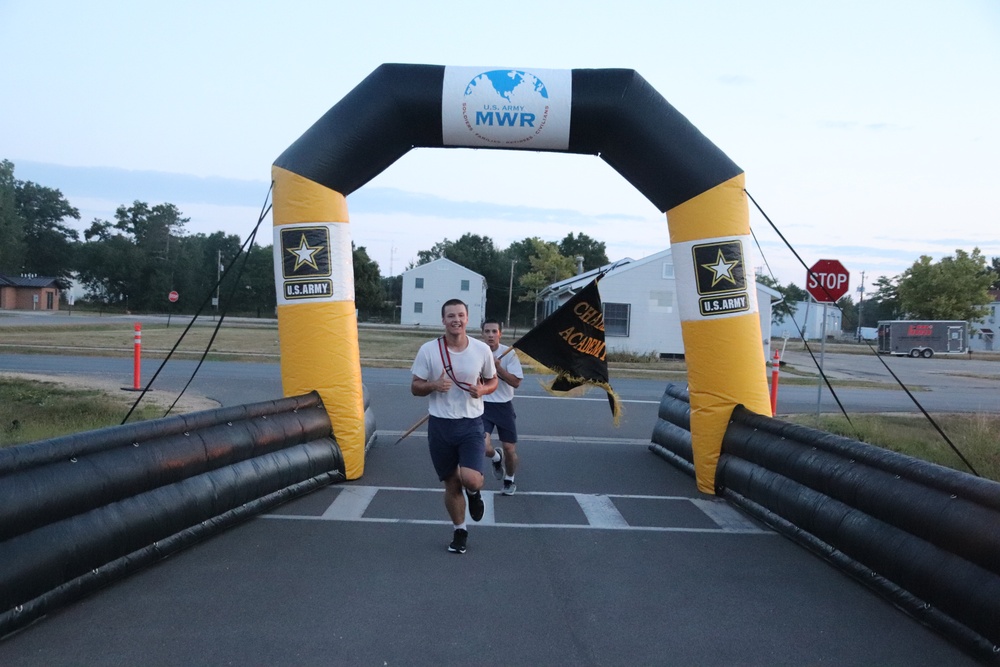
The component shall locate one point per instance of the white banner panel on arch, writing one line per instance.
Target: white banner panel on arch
(506, 107)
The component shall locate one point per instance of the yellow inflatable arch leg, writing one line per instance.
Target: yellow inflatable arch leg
(317, 325)
(709, 236)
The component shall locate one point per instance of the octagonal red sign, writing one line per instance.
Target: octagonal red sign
(827, 280)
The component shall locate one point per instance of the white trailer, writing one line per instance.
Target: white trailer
(923, 338)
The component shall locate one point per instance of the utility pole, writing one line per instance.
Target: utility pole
(861, 303)
(218, 279)
(510, 291)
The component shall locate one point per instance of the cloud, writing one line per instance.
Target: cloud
(125, 186)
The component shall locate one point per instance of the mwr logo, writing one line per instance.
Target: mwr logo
(920, 330)
(308, 289)
(721, 277)
(505, 107)
(305, 253)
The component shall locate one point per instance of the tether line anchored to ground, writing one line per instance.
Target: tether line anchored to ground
(913, 398)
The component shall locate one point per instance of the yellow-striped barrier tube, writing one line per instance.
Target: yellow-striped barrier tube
(717, 301)
(317, 325)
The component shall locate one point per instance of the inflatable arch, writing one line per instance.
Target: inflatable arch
(612, 113)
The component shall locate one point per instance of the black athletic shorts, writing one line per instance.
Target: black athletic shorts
(502, 416)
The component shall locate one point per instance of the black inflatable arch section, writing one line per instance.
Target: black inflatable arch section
(924, 536)
(398, 108)
(79, 511)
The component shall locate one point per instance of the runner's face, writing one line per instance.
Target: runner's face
(455, 319)
(491, 335)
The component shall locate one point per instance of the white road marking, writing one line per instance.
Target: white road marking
(582, 440)
(599, 510)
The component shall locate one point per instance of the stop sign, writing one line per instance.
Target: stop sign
(173, 296)
(827, 280)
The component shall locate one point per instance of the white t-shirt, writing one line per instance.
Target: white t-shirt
(512, 365)
(467, 366)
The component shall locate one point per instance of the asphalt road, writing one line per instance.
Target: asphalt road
(939, 385)
(607, 555)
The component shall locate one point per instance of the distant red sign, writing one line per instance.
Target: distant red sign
(173, 296)
(827, 280)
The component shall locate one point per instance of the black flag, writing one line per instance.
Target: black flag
(570, 343)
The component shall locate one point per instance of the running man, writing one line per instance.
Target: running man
(456, 372)
(499, 407)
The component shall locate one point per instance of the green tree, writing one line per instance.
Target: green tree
(369, 296)
(12, 248)
(791, 294)
(547, 266)
(995, 268)
(393, 288)
(953, 289)
(139, 258)
(848, 314)
(883, 304)
(594, 252)
(49, 244)
(437, 251)
(258, 282)
(197, 264)
(108, 264)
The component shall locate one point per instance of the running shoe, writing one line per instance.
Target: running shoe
(457, 545)
(476, 506)
(509, 487)
(498, 465)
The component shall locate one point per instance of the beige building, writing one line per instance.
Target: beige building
(28, 293)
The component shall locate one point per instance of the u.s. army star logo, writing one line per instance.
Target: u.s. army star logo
(721, 278)
(305, 252)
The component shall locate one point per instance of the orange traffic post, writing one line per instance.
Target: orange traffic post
(137, 365)
(775, 366)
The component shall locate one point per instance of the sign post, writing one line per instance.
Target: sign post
(826, 281)
(172, 298)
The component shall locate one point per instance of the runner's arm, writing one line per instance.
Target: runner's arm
(422, 387)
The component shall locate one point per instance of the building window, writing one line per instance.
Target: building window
(465, 286)
(418, 306)
(668, 270)
(419, 283)
(616, 319)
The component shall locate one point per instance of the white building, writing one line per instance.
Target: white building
(982, 334)
(807, 318)
(428, 286)
(640, 305)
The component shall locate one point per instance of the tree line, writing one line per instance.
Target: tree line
(135, 260)
(956, 287)
(132, 263)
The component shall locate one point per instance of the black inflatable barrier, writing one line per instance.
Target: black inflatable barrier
(82, 510)
(671, 439)
(924, 536)
(371, 434)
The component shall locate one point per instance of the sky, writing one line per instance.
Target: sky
(868, 131)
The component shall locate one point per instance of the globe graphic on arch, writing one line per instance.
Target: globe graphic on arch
(506, 87)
